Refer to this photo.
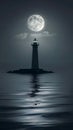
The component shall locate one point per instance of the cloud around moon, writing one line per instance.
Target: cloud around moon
(25, 35)
(36, 23)
(22, 36)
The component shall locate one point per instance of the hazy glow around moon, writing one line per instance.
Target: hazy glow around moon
(36, 23)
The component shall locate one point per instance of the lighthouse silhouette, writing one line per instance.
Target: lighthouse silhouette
(35, 63)
(35, 60)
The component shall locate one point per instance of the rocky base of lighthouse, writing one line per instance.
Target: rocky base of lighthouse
(30, 71)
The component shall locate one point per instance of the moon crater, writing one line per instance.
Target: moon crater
(36, 23)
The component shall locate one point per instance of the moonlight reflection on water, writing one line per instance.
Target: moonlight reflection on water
(38, 100)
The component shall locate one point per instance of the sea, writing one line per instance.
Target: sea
(36, 102)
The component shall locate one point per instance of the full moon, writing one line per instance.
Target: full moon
(36, 23)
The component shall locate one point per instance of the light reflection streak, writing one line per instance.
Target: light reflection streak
(35, 106)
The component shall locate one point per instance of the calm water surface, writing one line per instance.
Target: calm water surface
(39, 101)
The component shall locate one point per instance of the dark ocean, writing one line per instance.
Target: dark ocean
(40, 102)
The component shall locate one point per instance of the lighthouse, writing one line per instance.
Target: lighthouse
(35, 61)
(35, 69)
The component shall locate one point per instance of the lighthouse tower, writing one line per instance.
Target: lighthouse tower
(35, 62)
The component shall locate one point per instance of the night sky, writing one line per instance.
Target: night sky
(55, 51)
